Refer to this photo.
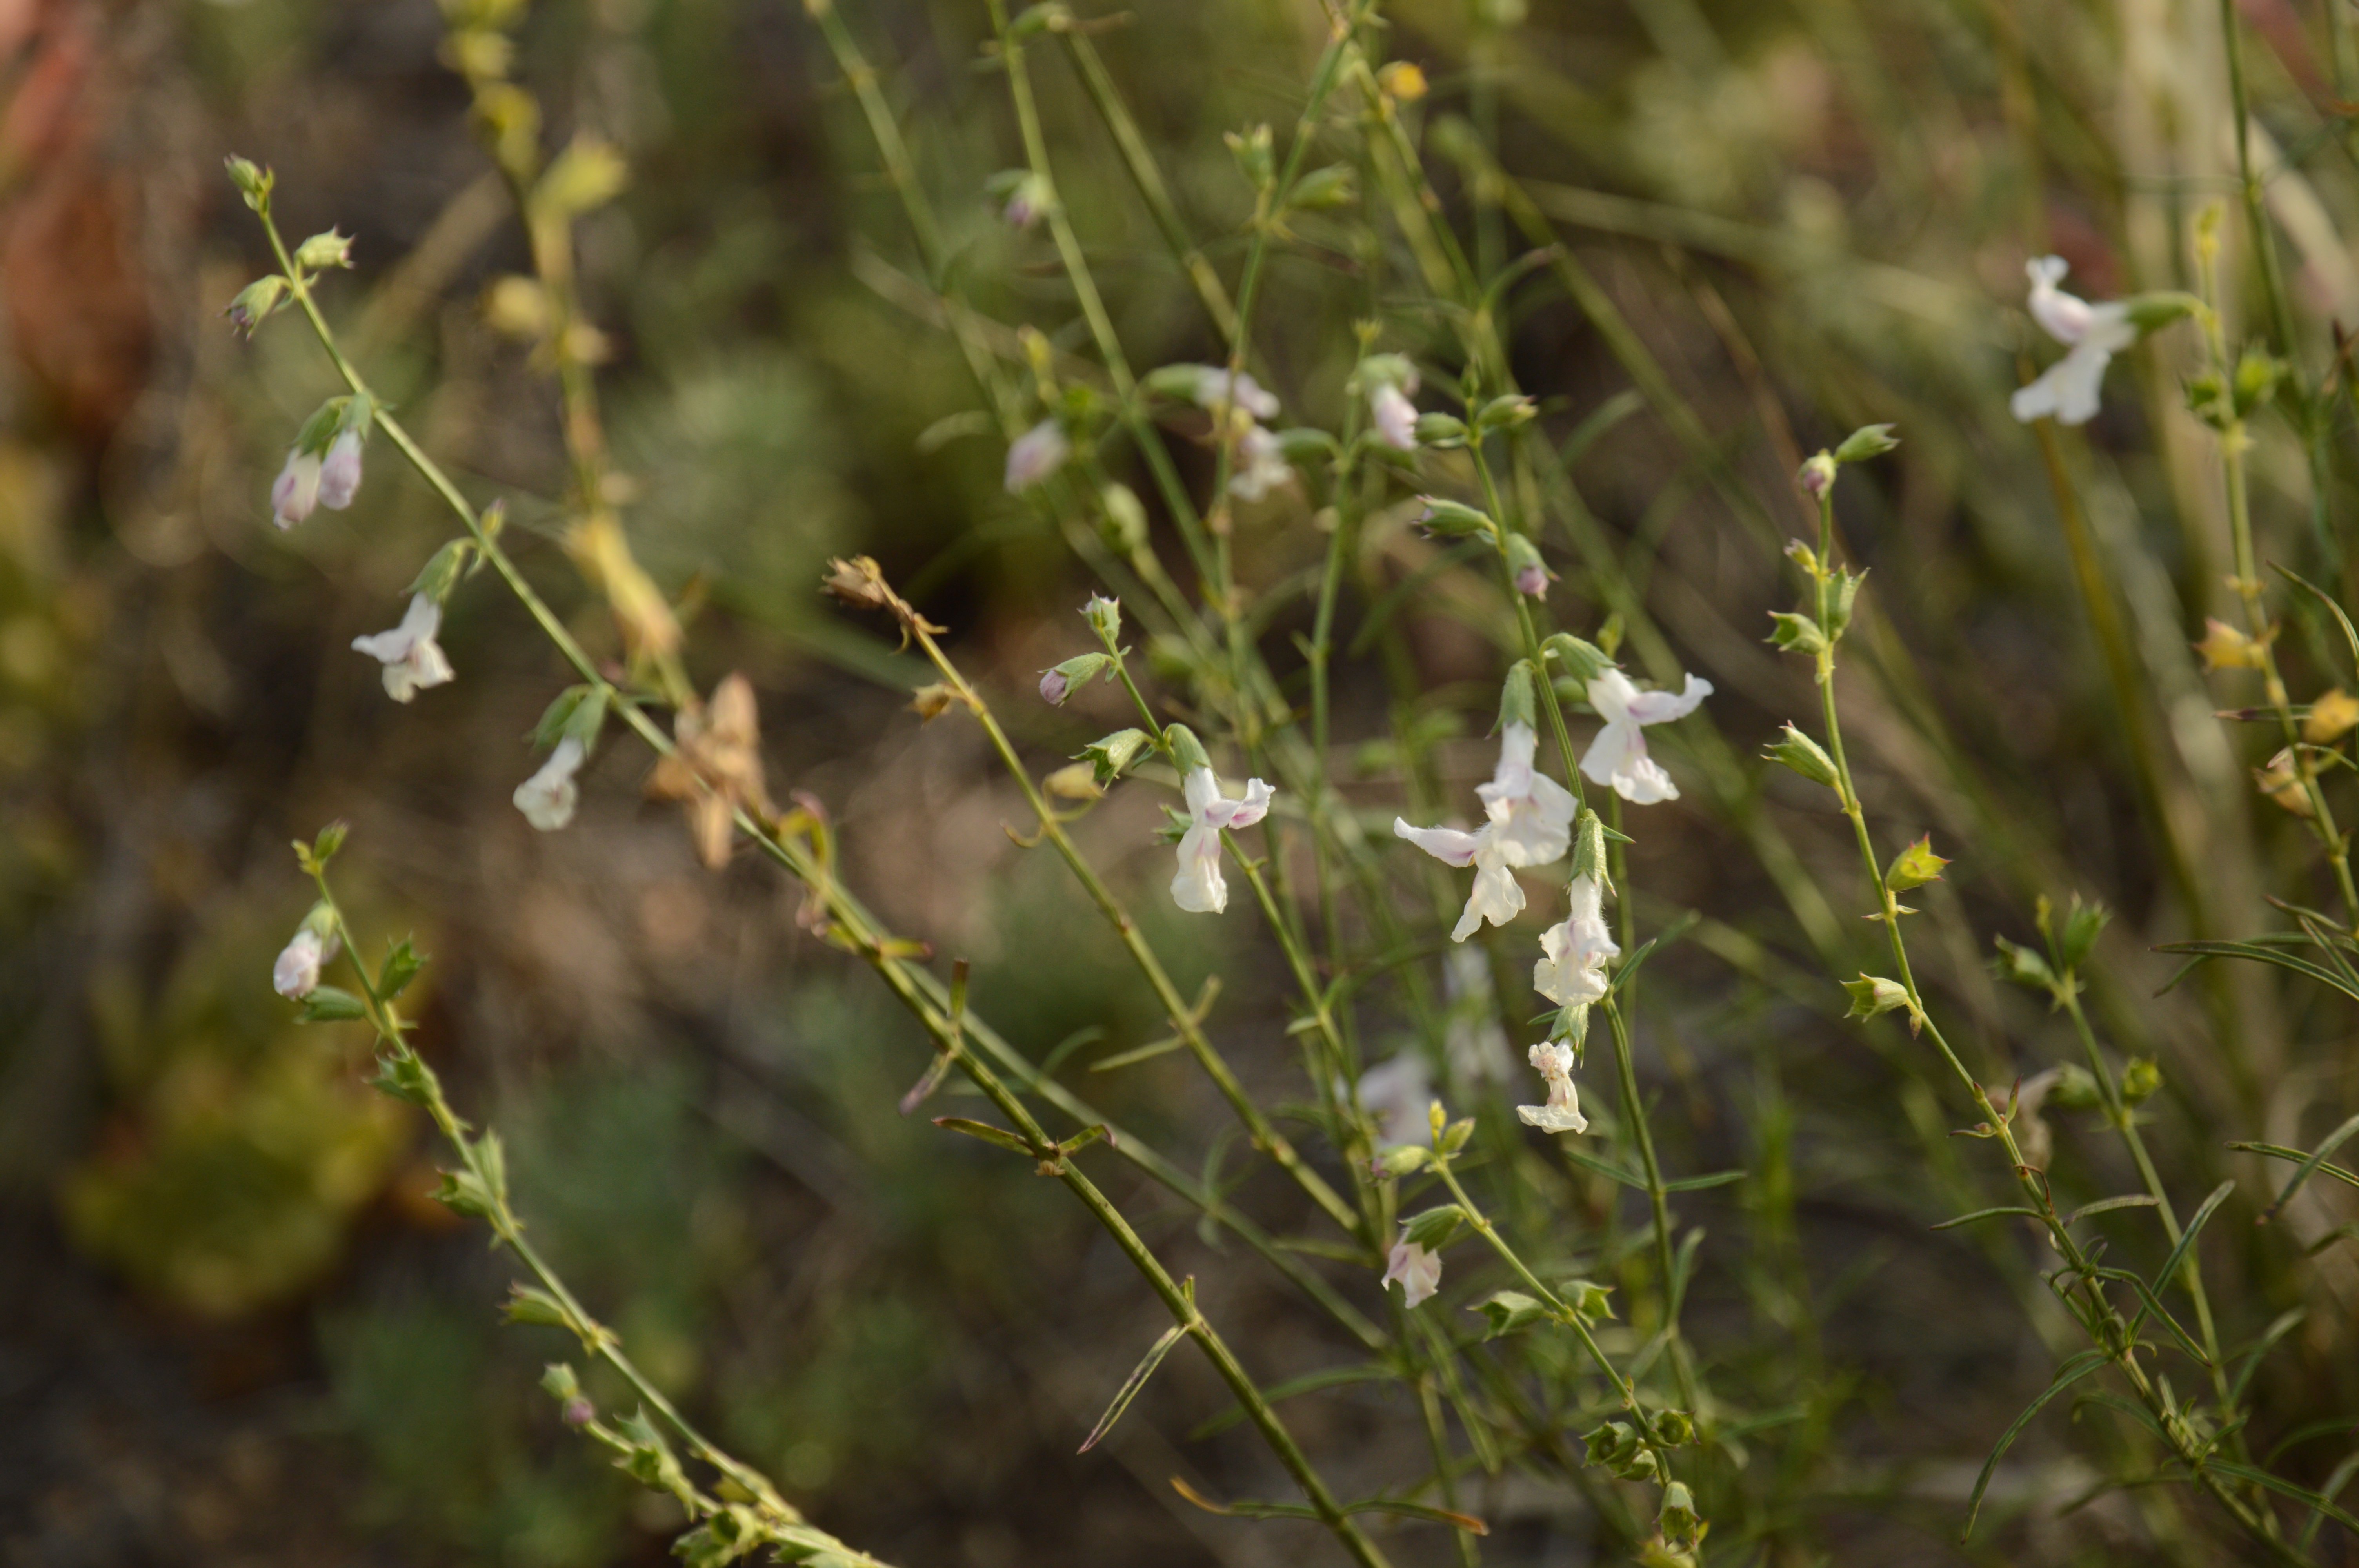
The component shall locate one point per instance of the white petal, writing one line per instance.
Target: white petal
(1615, 750)
(1201, 789)
(1397, 1094)
(1253, 808)
(1662, 707)
(1553, 1119)
(1446, 845)
(1610, 693)
(1496, 897)
(548, 797)
(1199, 887)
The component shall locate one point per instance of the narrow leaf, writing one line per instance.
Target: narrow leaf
(2105, 1206)
(997, 1136)
(2071, 1372)
(2261, 954)
(2334, 1141)
(1131, 1384)
(1988, 1214)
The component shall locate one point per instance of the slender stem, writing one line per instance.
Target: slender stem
(1184, 1018)
(2086, 1296)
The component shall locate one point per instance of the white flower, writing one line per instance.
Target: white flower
(1531, 811)
(1618, 756)
(297, 972)
(1249, 394)
(1397, 1095)
(1395, 418)
(1562, 1113)
(340, 473)
(1261, 465)
(2066, 390)
(1199, 887)
(1573, 969)
(1476, 1044)
(1035, 455)
(548, 797)
(1497, 896)
(296, 491)
(1418, 1272)
(412, 658)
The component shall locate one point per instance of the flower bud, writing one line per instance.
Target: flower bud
(1867, 441)
(1324, 189)
(1028, 202)
(1584, 661)
(255, 303)
(1440, 430)
(1524, 563)
(1451, 519)
(1818, 475)
(1187, 752)
(579, 1411)
(1394, 417)
(296, 491)
(1109, 755)
(1516, 704)
(327, 250)
(1058, 684)
(2140, 1078)
(1505, 413)
(1104, 616)
(340, 472)
(1402, 81)
(1252, 151)
(1035, 455)
(1804, 755)
(253, 182)
(1873, 994)
(1124, 528)
(1914, 866)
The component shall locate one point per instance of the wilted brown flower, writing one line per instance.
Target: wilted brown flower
(718, 767)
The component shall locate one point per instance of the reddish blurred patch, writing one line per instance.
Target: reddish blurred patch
(79, 318)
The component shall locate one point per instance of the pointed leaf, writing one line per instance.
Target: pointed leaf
(1131, 1384)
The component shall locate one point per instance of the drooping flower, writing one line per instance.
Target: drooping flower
(717, 768)
(1618, 756)
(1532, 812)
(548, 797)
(1249, 394)
(296, 491)
(1414, 1270)
(1394, 417)
(1261, 465)
(413, 660)
(1497, 896)
(1572, 970)
(1055, 687)
(340, 472)
(1035, 455)
(297, 972)
(1198, 888)
(1397, 1095)
(2093, 334)
(1562, 1111)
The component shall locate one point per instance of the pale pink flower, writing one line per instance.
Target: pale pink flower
(1618, 756)
(1198, 888)
(413, 660)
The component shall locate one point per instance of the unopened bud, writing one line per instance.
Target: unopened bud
(340, 472)
(1873, 994)
(1867, 441)
(1453, 520)
(1818, 475)
(251, 180)
(1804, 755)
(579, 1411)
(1530, 573)
(1125, 528)
(327, 250)
(255, 303)
(1058, 684)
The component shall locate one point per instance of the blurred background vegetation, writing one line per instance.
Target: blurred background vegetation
(233, 1328)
